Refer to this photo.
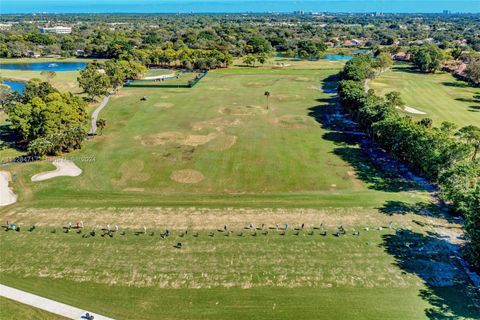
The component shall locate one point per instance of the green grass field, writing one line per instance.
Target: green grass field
(441, 96)
(214, 142)
(12, 310)
(262, 276)
(221, 154)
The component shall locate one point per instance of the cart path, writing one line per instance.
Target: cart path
(96, 113)
(51, 306)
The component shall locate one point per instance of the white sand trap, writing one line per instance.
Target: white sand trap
(413, 110)
(65, 168)
(6, 194)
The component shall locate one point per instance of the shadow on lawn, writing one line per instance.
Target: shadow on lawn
(8, 137)
(429, 256)
(371, 164)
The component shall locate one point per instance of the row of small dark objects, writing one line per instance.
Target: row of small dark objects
(251, 231)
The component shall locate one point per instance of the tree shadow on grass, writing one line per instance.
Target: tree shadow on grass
(456, 84)
(370, 163)
(8, 137)
(431, 258)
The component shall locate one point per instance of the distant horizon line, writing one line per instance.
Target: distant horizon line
(307, 13)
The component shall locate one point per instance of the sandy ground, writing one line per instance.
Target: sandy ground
(165, 76)
(6, 194)
(413, 110)
(64, 168)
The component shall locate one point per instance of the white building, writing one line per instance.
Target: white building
(5, 26)
(57, 29)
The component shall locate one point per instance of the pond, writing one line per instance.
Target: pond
(45, 66)
(15, 85)
(337, 57)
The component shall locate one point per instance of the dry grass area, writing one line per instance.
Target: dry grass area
(211, 218)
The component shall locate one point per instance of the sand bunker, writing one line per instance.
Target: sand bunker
(222, 142)
(291, 121)
(243, 110)
(413, 110)
(187, 176)
(65, 168)
(6, 194)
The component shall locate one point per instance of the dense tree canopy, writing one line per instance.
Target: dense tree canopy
(46, 120)
(444, 155)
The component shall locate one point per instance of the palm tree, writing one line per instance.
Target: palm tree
(101, 123)
(267, 95)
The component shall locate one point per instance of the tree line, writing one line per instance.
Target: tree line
(446, 155)
(46, 120)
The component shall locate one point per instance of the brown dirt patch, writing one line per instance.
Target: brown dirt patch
(176, 152)
(291, 121)
(187, 176)
(209, 218)
(163, 105)
(302, 79)
(254, 84)
(249, 110)
(134, 189)
(218, 124)
(283, 97)
(131, 171)
(222, 142)
(161, 138)
(196, 140)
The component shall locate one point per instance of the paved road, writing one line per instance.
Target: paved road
(96, 113)
(46, 304)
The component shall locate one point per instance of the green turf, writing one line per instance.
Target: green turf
(12, 310)
(441, 96)
(258, 165)
(262, 276)
(281, 155)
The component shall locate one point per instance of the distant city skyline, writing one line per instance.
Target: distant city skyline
(236, 6)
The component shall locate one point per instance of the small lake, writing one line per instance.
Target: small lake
(15, 85)
(45, 66)
(337, 57)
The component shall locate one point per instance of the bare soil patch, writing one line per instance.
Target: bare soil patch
(197, 140)
(176, 152)
(189, 176)
(222, 142)
(161, 138)
(219, 124)
(291, 121)
(132, 171)
(249, 110)
(163, 105)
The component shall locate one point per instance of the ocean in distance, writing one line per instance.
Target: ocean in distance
(235, 6)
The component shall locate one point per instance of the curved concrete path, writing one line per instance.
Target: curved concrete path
(49, 305)
(96, 113)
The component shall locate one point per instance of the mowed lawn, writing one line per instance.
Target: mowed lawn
(218, 141)
(11, 310)
(441, 96)
(246, 275)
